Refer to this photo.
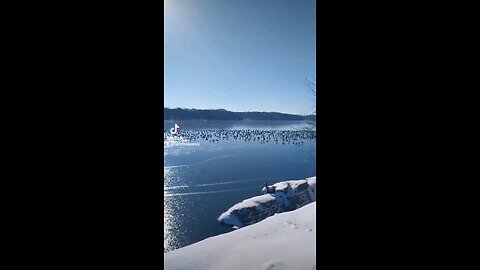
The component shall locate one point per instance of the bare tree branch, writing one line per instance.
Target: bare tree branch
(312, 88)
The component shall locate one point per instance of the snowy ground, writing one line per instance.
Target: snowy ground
(282, 241)
(289, 195)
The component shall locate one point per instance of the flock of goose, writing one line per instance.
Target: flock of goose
(295, 137)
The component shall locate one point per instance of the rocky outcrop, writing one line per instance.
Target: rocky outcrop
(288, 196)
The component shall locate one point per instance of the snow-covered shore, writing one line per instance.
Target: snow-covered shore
(282, 241)
(288, 195)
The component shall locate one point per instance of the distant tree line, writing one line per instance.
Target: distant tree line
(221, 114)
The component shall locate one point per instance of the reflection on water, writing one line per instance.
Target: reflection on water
(203, 179)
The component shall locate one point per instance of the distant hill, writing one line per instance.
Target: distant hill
(221, 114)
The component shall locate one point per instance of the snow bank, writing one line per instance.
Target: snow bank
(283, 241)
(253, 209)
(288, 195)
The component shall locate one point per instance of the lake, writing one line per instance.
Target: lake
(213, 165)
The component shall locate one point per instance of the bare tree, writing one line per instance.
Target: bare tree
(312, 86)
(312, 89)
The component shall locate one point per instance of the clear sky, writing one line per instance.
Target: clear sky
(239, 55)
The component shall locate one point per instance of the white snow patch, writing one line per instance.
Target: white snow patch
(283, 196)
(229, 218)
(282, 241)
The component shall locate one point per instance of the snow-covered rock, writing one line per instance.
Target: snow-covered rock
(288, 195)
(283, 241)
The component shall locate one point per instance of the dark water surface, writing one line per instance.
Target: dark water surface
(203, 179)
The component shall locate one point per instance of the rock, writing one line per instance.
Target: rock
(287, 196)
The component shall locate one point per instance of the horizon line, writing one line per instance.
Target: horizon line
(237, 112)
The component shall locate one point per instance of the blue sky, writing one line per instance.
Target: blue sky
(239, 55)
